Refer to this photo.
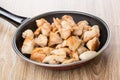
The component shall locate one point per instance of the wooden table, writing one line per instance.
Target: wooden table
(104, 67)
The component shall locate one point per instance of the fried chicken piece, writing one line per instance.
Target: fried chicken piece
(96, 28)
(57, 23)
(28, 43)
(37, 57)
(67, 61)
(54, 39)
(88, 55)
(66, 25)
(84, 25)
(38, 54)
(74, 55)
(81, 49)
(78, 30)
(54, 28)
(58, 55)
(47, 50)
(43, 26)
(69, 19)
(37, 31)
(63, 44)
(59, 52)
(83, 22)
(53, 59)
(50, 59)
(94, 32)
(45, 29)
(41, 40)
(73, 42)
(65, 31)
(40, 22)
(27, 33)
(93, 44)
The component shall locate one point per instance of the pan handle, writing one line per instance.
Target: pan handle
(12, 18)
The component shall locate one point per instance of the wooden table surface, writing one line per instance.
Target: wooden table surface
(104, 67)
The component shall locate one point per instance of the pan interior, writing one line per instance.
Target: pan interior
(49, 17)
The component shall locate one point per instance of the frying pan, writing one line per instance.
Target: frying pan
(23, 23)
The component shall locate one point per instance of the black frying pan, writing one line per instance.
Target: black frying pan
(23, 23)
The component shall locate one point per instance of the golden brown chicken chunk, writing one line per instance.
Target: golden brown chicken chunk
(54, 39)
(74, 55)
(68, 61)
(82, 49)
(43, 26)
(41, 40)
(65, 31)
(40, 22)
(84, 25)
(59, 52)
(88, 55)
(28, 43)
(63, 44)
(27, 33)
(57, 23)
(50, 59)
(93, 44)
(38, 54)
(69, 19)
(54, 28)
(78, 30)
(58, 55)
(73, 43)
(45, 29)
(94, 32)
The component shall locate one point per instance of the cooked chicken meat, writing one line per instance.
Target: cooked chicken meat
(94, 32)
(82, 49)
(40, 22)
(78, 30)
(88, 55)
(57, 23)
(38, 54)
(63, 44)
(74, 55)
(73, 43)
(54, 39)
(68, 61)
(27, 33)
(59, 52)
(58, 56)
(93, 44)
(84, 25)
(69, 19)
(28, 43)
(45, 29)
(50, 59)
(65, 31)
(41, 40)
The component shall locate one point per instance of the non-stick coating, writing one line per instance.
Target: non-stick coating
(77, 16)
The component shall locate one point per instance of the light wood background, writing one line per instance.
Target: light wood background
(105, 67)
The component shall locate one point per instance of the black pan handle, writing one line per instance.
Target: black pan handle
(12, 18)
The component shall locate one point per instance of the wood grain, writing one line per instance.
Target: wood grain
(104, 67)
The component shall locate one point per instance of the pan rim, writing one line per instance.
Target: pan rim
(61, 65)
